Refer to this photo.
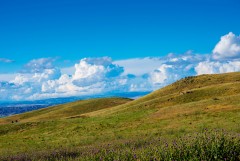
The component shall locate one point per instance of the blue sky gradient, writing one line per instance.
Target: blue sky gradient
(61, 48)
(121, 29)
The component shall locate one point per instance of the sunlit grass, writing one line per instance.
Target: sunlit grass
(206, 145)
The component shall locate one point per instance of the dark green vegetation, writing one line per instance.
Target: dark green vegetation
(190, 105)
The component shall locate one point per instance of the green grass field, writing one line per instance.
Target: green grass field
(185, 107)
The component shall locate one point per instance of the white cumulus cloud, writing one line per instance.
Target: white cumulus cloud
(213, 67)
(38, 65)
(228, 47)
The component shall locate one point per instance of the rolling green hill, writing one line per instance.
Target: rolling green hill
(66, 111)
(186, 106)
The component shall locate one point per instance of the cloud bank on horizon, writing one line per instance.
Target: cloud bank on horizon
(40, 79)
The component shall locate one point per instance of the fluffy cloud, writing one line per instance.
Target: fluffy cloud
(91, 76)
(47, 74)
(38, 65)
(20, 79)
(40, 79)
(162, 75)
(208, 67)
(228, 47)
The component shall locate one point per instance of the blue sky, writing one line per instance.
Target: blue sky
(121, 29)
(57, 34)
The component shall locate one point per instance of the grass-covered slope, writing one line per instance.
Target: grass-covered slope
(188, 105)
(204, 89)
(69, 110)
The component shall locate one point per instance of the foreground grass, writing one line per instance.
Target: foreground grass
(206, 145)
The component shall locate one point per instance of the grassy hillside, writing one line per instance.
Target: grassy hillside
(66, 111)
(186, 106)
